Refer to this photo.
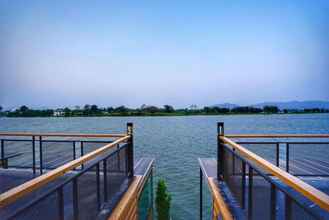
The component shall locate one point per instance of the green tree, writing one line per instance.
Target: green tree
(110, 109)
(94, 108)
(121, 109)
(162, 201)
(168, 108)
(151, 109)
(271, 109)
(67, 112)
(23, 108)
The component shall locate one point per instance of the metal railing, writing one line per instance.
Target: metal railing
(219, 207)
(300, 158)
(137, 202)
(41, 155)
(146, 198)
(261, 184)
(79, 188)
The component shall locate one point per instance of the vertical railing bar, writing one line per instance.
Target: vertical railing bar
(152, 189)
(2, 150)
(60, 201)
(243, 185)
(4, 162)
(126, 160)
(74, 149)
(81, 152)
(273, 202)
(105, 179)
(278, 154)
(75, 199)
(233, 162)
(220, 150)
(130, 150)
(250, 189)
(33, 154)
(40, 155)
(201, 201)
(287, 157)
(118, 147)
(288, 207)
(98, 187)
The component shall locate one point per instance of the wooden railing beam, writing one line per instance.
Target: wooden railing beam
(313, 194)
(13, 194)
(85, 135)
(277, 135)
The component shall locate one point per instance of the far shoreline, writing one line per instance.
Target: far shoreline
(169, 115)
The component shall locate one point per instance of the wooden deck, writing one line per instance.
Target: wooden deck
(46, 209)
(209, 170)
(261, 192)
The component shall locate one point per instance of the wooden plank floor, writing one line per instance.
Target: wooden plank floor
(47, 208)
(261, 188)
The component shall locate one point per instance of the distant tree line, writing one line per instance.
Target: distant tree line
(24, 111)
(148, 110)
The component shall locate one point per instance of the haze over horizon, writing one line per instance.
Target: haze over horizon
(65, 53)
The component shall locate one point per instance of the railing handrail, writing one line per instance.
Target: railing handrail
(86, 135)
(277, 135)
(219, 200)
(133, 193)
(313, 194)
(13, 194)
(216, 195)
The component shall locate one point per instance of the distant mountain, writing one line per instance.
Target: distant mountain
(226, 105)
(296, 104)
(283, 105)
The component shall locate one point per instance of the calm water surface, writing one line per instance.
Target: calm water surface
(176, 142)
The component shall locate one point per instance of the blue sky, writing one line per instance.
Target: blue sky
(66, 53)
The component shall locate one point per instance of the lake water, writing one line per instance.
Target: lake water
(176, 142)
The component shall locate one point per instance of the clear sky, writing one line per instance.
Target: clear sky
(67, 53)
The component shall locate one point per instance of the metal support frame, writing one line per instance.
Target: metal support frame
(60, 200)
(74, 151)
(3, 153)
(243, 185)
(98, 187)
(81, 153)
(273, 202)
(40, 155)
(73, 182)
(75, 199)
(105, 180)
(33, 155)
(250, 189)
(287, 157)
(287, 207)
(152, 188)
(130, 150)
(275, 186)
(201, 193)
(220, 150)
(278, 154)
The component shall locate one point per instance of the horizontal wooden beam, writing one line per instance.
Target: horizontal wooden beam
(313, 194)
(219, 200)
(277, 135)
(215, 191)
(30, 134)
(13, 194)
